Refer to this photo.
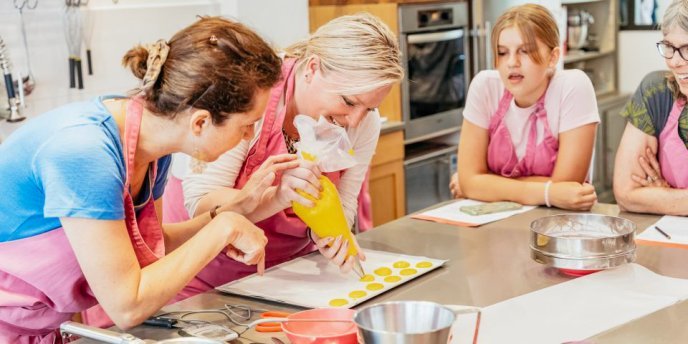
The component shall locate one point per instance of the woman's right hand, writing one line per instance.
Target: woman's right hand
(305, 177)
(572, 195)
(245, 242)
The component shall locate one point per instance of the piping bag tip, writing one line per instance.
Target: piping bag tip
(358, 268)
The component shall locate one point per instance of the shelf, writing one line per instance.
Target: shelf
(575, 2)
(603, 93)
(577, 56)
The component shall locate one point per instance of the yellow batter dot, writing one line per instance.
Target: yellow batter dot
(401, 264)
(392, 279)
(338, 302)
(367, 278)
(374, 286)
(407, 272)
(423, 265)
(357, 294)
(383, 271)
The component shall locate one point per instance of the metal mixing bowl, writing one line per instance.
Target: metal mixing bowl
(582, 242)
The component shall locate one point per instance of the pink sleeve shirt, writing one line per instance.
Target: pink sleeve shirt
(570, 103)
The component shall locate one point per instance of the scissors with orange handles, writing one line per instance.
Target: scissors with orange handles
(271, 326)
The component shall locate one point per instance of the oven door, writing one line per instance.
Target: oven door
(427, 178)
(435, 92)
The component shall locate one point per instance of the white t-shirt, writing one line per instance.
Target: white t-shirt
(570, 103)
(224, 171)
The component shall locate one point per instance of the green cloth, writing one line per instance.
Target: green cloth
(650, 106)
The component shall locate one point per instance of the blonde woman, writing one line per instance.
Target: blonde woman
(343, 71)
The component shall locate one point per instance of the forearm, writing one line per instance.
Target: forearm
(541, 179)
(176, 234)
(491, 188)
(655, 200)
(183, 263)
(268, 206)
(129, 293)
(220, 196)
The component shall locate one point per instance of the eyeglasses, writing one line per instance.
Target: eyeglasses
(667, 50)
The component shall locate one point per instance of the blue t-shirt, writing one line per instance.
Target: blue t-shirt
(67, 162)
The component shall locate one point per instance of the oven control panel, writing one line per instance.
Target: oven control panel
(436, 17)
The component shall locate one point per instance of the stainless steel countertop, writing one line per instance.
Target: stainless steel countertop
(391, 126)
(487, 264)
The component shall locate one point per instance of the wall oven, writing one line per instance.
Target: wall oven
(428, 168)
(434, 42)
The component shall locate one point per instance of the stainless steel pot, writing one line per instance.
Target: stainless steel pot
(582, 241)
(409, 322)
(107, 336)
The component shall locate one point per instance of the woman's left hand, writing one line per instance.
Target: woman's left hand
(337, 251)
(653, 173)
(251, 194)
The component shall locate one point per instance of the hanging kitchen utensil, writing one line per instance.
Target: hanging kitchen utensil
(87, 34)
(73, 32)
(14, 99)
(28, 82)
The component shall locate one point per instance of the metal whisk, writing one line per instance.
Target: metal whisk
(13, 100)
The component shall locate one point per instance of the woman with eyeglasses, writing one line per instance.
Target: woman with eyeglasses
(651, 167)
(82, 184)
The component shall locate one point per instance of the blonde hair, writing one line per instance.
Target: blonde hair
(360, 48)
(534, 22)
(676, 15)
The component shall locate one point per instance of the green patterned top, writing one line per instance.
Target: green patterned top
(650, 106)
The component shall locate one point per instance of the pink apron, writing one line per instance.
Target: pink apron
(673, 155)
(41, 283)
(501, 153)
(286, 233)
(173, 210)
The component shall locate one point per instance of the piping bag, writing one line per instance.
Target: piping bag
(328, 146)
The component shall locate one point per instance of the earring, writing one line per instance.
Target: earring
(306, 76)
(197, 164)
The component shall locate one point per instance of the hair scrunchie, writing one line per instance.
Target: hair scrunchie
(157, 54)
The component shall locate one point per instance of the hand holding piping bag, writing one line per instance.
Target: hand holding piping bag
(328, 146)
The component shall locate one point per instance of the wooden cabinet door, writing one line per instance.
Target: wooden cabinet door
(387, 192)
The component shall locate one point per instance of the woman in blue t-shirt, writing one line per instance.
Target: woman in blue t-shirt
(81, 185)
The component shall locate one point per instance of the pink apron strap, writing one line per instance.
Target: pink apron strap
(258, 153)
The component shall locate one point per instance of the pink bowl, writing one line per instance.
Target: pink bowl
(322, 332)
(577, 273)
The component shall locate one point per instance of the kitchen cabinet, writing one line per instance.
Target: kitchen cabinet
(386, 182)
(597, 55)
(609, 134)
(386, 186)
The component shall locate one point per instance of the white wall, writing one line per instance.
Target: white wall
(116, 29)
(637, 57)
(281, 22)
(637, 54)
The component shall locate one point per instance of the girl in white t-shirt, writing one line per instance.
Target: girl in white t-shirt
(528, 132)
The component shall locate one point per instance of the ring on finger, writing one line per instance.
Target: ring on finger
(654, 178)
(649, 179)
